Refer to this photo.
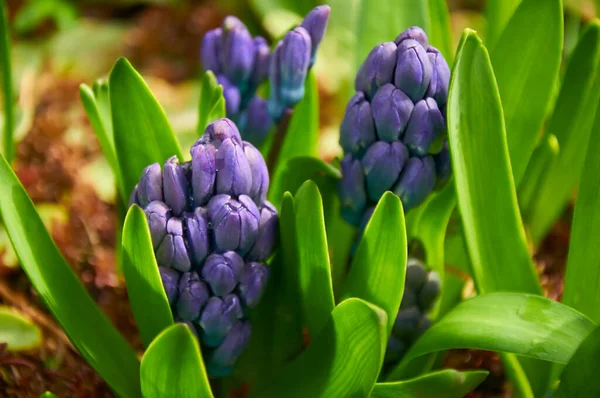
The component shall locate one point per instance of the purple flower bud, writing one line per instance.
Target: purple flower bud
(440, 77)
(423, 325)
(193, 295)
(176, 186)
(221, 360)
(232, 95)
(274, 104)
(172, 252)
(406, 322)
(133, 198)
(210, 50)
(234, 175)
(218, 131)
(409, 298)
(396, 348)
(414, 33)
(191, 326)
(382, 164)
(429, 292)
(204, 172)
(253, 283)
(261, 61)
(259, 173)
(196, 235)
(357, 132)
(235, 222)
(352, 190)
(170, 282)
(150, 187)
(218, 319)
(315, 24)
(294, 61)
(256, 121)
(443, 165)
(426, 129)
(377, 70)
(157, 214)
(416, 274)
(237, 52)
(413, 69)
(268, 232)
(222, 272)
(417, 180)
(391, 112)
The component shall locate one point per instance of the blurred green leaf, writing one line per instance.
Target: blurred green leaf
(498, 13)
(173, 367)
(523, 382)
(440, 35)
(64, 295)
(525, 83)
(142, 133)
(48, 394)
(379, 266)
(447, 383)
(35, 12)
(212, 103)
(343, 360)
(7, 88)
(579, 379)
(18, 331)
(269, 10)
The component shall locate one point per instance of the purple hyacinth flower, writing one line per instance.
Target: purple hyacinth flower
(236, 52)
(274, 105)
(235, 223)
(218, 318)
(417, 180)
(259, 173)
(262, 54)
(204, 172)
(440, 77)
(232, 95)
(409, 298)
(357, 131)
(268, 232)
(222, 272)
(157, 213)
(170, 282)
(193, 295)
(443, 165)
(429, 292)
(234, 175)
(172, 252)
(315, 24)
(294, 61)
(133, 198)
(413, 69)
(416, 274)
(176, 186)
(220, 362)
(406, 322)
(414, 33)
(218, 131)
(392, 110)
(396, 348)
(253, 283)
(377, 70)
(209, 53)
(150, 187)
(426, 129)
(352, 190)
(256, 121)
(196, 235)
(382, 164)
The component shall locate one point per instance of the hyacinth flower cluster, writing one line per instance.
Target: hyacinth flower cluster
(394, 130)
(241, 63)
(421, 290)
(212, 230)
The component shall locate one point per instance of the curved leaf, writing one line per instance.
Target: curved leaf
(579, 379)
(440, 35)
(212, 103)
(18, 331)
(7, 84)
(497, 14)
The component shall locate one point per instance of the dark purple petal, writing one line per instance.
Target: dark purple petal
(222, 272)
(294, 61)
(259, 173)
(260, 70)
(253, 282)
(440, 77)
(382, 164)
(196, 235)
(150, 187)
(315, 24)
(377, 70)
(237, 52)
(234, 176)
(357, 132)
(256, 121)
(193, 295)
(391, 112)
(232, 95)
(172, 252)
(274, 104)
(218, 319)
(157, 214)
(268, 233)
(204, 172)
(170, 281)
(426, 129)
(352, 190)
(209, 54)
(414, 33)
(413, 69)
(221, 361)
(417, 180)
(176, 186)
(220, 130)
(235, 222)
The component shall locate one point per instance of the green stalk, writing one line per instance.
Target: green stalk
(5, 60)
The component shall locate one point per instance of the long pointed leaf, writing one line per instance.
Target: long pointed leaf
(440, 35)
(7, 88)
(498, 13)
(579, 379)
(212, 103)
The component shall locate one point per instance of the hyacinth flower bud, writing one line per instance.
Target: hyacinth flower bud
(315, 24)
(209, 53)
(406, 322)
(414, 33)
(416, 274)
(382, 164)
(268, 231)
(259, 173)
(236, 52)
(253, 283)
(170, 282)
(234, 175)
(409, 298)
(191, 326)
(352, 190)
(133, 198)
(429, 292)
(204, 172)
(256, 121)
(196, 235)
(294, 61)
(275, 106)
(218, 131)
(176, 186)
(262, 53)
(150, 187)
(218, 318)
(220, 362)
(440, 77)
(232, 95)
(193, 295)
(157, 214)
(392, 111)
(377, 70)
(395, 350)
(443, 165)
(426, 130)
(417, 180)
(222, 272)
(357, 131)
(235, 222)
(413, 69)
(172, 252)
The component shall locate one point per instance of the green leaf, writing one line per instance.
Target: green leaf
(484, 186)
(525, 83)
(343, 360)
(48, 394)
(379, 266)
(212, 103)
(316, 292)
(579, 379)
(497, 14)
(7, 88)
(144, 286)
(142, 133)
(18, 331)
(524, 324)
(172, 366)
(571, 123)
(64, 295)
(447, 383)
(440, 35)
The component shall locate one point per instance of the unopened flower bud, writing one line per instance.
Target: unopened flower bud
(193, 295)
(406, 322)
(377, 70)
(426, 130)
(352, 190)
(392, 111)
(416, 274)
(172, 252)
(259, 173)
(440, 77)
(204, 172)
(157, 213)
(235, 222)
(222, 272)
(253, 282)
(413, 69)
(429, 292)
(382, 164)
(150, 187)
(176, 186)
(291, 65)
(232, 95)
(256, 121)
(315, 24)
(237, 52)
(234, 176)
(222, 359)
(260, 71)
(268, 232)
(220, 130)
(414, 33)
(218, 318)
(170, 282)
(357, 132)
(417, 180)
(210, 50)
(196, 235)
